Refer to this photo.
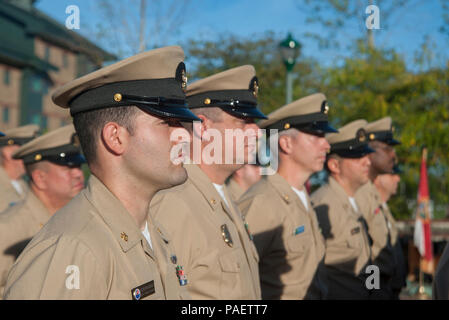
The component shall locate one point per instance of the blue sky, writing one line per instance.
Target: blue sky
(205, 19)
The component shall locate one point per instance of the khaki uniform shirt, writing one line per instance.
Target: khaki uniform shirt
(93, 249)
(235, 191)
(210, 239)
(382, 252)
(18, 225)
(347, 243)
(288, 240)
(9, 194)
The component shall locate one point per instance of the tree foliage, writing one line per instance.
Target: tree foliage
(371, 84)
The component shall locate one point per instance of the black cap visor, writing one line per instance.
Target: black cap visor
(245, 112)
(318, 128)
(355, 153)
(393, 142)
(173, 112)
(70, 160)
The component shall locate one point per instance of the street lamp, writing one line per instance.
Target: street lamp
(290, 49)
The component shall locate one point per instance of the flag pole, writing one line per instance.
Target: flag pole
(421, 289)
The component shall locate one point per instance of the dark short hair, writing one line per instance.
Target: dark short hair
(89, 124)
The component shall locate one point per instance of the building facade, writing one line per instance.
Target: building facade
(37, 55)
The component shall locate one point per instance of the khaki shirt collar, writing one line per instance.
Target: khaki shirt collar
(341, 195)
(374, 193)
(112, 211)
(286, 192)
(38, 211)
(202, 182)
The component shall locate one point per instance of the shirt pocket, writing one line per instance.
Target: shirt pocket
(299, 243)
(354, 239)
(231, 284)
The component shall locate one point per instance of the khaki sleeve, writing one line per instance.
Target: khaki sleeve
(264, 222)
(61, 269)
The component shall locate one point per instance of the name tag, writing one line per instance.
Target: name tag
(299, 230)
(355, 230)
(143, 290)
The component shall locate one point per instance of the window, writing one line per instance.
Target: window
(5, 115)
(7, 77)
(47, 53)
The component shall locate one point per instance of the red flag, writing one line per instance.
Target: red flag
(423, 235)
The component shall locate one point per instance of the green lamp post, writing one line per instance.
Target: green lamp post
(290, 49)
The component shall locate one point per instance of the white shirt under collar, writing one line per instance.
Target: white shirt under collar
(302, 195)
(220, 190)
(146, 234)
(353, 204)
(17, 186)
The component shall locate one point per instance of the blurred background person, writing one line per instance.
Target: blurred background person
(379, 133)
(387, 185)
(52, 163)
(12, 187)
(242, 180)
(348, 250)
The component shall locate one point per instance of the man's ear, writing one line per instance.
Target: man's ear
(115, 138)
(285, 144)
(39, 178)
(205, 124)
(333, 165)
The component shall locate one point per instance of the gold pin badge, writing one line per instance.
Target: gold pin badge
(256, 89)
(184, 80)
(213, 201)
(286, 197)
(38, 157)
(124, 236)
(226, 235)
(117, 97)
(207, 101)
(10, 142)
(287, 126)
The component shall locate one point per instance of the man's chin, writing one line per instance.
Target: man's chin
(179, 176)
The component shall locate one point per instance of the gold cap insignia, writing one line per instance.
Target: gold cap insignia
(372, 136)
(287, 126)
(254, 86)
(207, 101)
(181, 76)
(361, 135)
(38, 157)
(10, 142)
(184, 80)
